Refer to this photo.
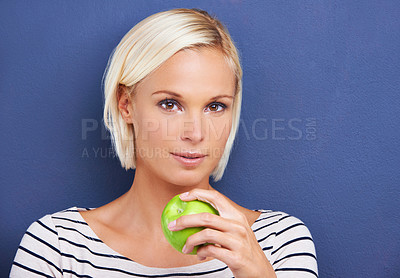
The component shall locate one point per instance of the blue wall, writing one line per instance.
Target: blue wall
(318, 137)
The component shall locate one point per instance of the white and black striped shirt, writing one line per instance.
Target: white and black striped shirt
(63, 245)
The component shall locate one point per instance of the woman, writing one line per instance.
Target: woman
(172, 105)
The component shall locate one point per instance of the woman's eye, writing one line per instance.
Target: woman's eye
(168, 104)
(214, 107)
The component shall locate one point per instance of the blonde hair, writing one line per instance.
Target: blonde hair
(143, 49)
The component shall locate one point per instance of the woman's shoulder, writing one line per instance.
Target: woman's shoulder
(286, 241)
(43, 242)
(275, 222)
(52, 230)
(280, 223)
(49, 225)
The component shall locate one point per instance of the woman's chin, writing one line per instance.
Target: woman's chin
(188, 178)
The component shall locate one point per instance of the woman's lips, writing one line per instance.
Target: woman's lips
(189, 162)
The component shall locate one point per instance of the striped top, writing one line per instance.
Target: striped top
(63, 245)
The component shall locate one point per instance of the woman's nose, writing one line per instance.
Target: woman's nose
(193, 128)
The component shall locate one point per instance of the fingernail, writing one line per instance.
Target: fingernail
(172, 225)
(184, 250)
(184, 194)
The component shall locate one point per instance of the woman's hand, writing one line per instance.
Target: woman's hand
(235, 242)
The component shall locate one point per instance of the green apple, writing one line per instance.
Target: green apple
(177, 208)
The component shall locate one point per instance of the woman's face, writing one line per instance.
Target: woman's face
(184, 106)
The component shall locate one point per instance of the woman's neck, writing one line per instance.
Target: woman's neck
(141, 207)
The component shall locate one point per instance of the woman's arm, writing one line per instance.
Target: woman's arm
(293, 253)
(39, 253)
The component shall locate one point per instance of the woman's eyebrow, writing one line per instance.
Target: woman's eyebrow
(179, 96)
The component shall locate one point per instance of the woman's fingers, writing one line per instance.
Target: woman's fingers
(216, 199)
(216, 252)
(204, 219)
(209, 236)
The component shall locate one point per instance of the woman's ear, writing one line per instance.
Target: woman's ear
(125, 103)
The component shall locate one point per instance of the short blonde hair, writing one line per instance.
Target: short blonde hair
(148, 45)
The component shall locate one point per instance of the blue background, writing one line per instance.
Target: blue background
(319, 127)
